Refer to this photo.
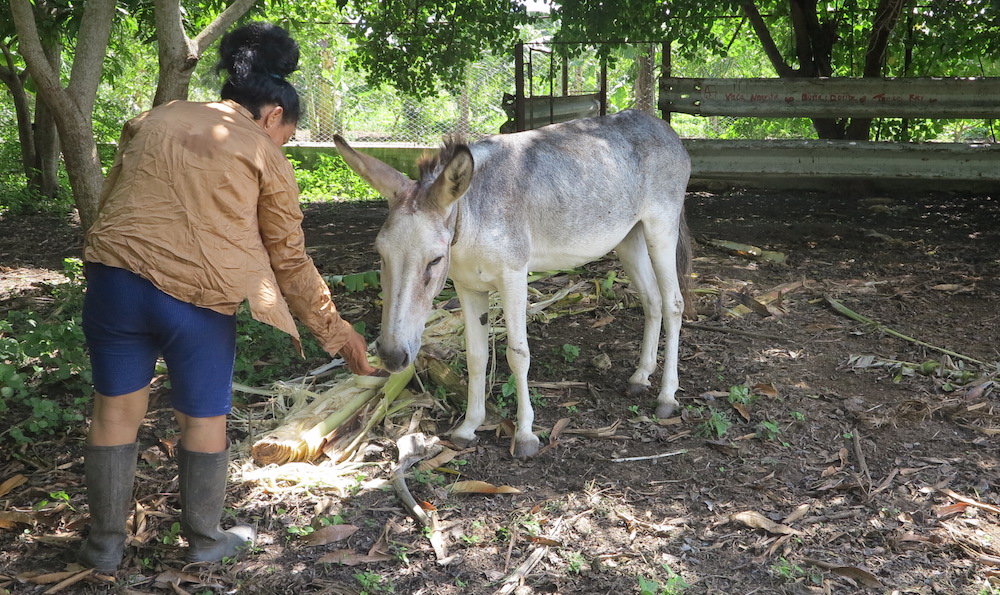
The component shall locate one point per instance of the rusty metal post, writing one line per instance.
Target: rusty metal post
(519, 119)
(565, 76)
(665, 71)
(604, 86)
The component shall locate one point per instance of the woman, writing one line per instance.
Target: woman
(199, 212)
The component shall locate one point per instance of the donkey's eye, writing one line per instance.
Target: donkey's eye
(434, 262)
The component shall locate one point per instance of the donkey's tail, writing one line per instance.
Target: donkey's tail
(684, 267)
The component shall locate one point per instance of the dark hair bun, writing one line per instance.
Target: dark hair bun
(258, 48)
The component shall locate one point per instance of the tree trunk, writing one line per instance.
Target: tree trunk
(645, 80)
(10, 77)
(45, 171)
(886, 16)
(178, 55)
(45, 167)
(72, 107)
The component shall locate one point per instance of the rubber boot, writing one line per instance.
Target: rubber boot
(110, 476)
(202, 493)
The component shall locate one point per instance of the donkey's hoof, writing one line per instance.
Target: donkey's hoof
(636, 390)
(526, 446)
(665, 410)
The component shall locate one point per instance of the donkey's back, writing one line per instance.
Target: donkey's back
(566, 194)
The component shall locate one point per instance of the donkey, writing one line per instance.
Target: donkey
(557, 197)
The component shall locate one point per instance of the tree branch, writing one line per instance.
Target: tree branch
(886, 17)
(217, 27)
(766, 41)
(91, 49)
(800, 32)
(35, 60)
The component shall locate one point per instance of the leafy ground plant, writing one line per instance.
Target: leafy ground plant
(674, 584)
(45, 374)
(330, 179)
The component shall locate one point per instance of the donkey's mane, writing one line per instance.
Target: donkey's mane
(430, 165)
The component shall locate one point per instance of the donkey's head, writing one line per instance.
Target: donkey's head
(414, 242)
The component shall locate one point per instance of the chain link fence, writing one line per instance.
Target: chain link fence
(483, 106)
(346, 106)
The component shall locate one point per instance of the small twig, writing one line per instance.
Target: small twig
(970, 501)
(650, 457)
(510, 549)
(862, 464)
(732, 331)
(524, 569)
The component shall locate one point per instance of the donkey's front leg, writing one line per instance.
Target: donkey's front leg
(514, 297)
(475, 305)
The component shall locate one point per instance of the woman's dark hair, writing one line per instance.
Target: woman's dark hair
(258, 57)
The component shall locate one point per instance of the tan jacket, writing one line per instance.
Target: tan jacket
(201, 202)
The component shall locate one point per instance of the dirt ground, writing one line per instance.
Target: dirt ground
(839, 470)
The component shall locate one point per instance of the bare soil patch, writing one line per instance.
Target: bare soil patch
(840, 473)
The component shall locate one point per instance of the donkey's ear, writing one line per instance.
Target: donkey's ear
(454, 179)
(385, 179)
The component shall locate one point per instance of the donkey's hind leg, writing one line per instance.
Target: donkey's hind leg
(634, 256)
(662, 246)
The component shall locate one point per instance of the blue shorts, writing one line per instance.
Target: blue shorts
(129, 323)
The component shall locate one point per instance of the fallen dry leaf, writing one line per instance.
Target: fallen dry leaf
(545, 541)
(955, 288)
(756, 520)
(859, 574)
(481, 487)
(48, 578)
(765, 390)
(506, 428)
(10, 518)
(12, 483)
(799, 512)
(605, 432)
(603, 321)
(852, 572)
(329, 534)
(442, 458)
(352, 558)
(742, 410)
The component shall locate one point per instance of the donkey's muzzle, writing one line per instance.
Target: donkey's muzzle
(394, 359)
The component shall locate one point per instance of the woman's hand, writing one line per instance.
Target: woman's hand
(355, 353)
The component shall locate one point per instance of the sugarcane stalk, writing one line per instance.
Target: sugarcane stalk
(844, 310)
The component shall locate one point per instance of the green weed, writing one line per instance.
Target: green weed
(329, 179)
(716, 426)
(673, 585)
(768, 430)
(372, 582)
(170, 537)
(741, 394)
(44, 360)
(570, 353)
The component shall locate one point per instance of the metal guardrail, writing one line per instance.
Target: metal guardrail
(970, 98)
(801, 163)
(972, 164)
